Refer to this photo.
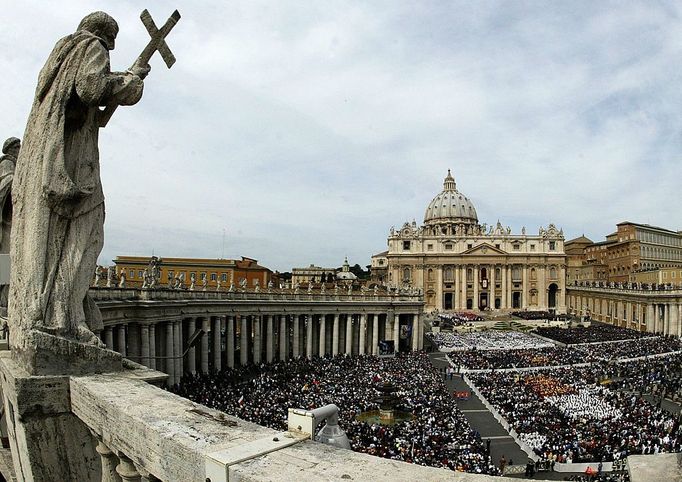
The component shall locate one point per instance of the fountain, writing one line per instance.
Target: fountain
(387, 413)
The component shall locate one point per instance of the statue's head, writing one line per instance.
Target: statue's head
(11, 146)
(102, 25)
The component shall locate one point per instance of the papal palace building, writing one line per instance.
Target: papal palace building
(461, 264)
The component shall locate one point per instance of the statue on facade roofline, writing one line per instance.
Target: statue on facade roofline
(192, 281)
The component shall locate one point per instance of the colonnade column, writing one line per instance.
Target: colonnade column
(144, 344)
(177, 349)
(297, 336)
(206, 327)
(152, 346)
(335, 335)
(309, 337)
(666, 318)
(169, 362)
(257, 339)
(650, 318)
(122, 340)
(396, 331)
(375, 334)
(363, 334)
(415, 332)
(244, 341)
(109, 337)
(323, 335)
(192, 354)
(524, 288)
(349, 334)
(270, 341)
(229, 341)
(217, 352)
(283, 337)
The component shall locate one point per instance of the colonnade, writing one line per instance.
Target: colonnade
(640, 310)
(245, 338)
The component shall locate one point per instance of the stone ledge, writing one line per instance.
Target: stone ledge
(660, 467)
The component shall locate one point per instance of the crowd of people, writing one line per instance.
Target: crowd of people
(594, 333)
(533, 315)
(438, 435)
(458, 318)
(523, 358)
(570, 415)
(486, 340)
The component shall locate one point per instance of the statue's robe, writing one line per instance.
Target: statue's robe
(57, 231)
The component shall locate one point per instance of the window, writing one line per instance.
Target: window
(469, 246)
(552, 245)
(214, 276)
(406, 274)
(223, 277)
(381, 262)
(429, 247)
(170, 273)
(430, 274)
(193, 274)
(139, 274)
(406, 245)
(448, 274)
(532, 247)
(131, 273)
(448, 247)
(203, 276)
(497, 245)
(517, 247)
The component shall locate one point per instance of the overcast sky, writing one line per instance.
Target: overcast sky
(304, 130)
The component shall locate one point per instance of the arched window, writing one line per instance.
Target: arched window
(406, 274)
(448, 274)
(470, 275)
(430, 274)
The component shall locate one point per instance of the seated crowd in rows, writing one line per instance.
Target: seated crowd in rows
(438, 436)
(458, 318)
(595, 333)
(568, 414)
(486, 340)
(533, 315)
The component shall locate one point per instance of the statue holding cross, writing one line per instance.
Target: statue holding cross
(58, 201)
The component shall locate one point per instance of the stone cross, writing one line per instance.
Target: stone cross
(157, 42)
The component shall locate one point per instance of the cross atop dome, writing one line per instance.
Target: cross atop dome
(449, 183)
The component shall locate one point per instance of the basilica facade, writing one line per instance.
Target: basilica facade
(460, 264)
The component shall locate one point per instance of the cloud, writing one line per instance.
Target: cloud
(306, 130)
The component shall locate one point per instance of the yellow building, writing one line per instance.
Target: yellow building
(227, 271)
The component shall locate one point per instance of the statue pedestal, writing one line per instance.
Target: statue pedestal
(47, 441)
(45, 354)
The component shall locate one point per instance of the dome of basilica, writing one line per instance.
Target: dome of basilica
(450, 206)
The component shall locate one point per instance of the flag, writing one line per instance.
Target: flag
(241, 401)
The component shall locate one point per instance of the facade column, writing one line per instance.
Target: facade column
(244, 341)
(524, 288)
(152, 346)
(270, 340)
(491, 290)
(562, 289)
(463, 296)
(229, 341)
(349, 334)
(109, 337)
(217, 351)
(323, 335)
(192, 354)
(144, 345)
(375, 334)
(474, 304)
(503, 287)
(169, 362)
(396, 331)
(335, 335)
(122, 340)
(297, 335)
(363, 334)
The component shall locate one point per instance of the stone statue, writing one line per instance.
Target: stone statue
(217, 286)
(8, 161)
(98, 275)
(323, 288)
(122, 282)
(523, 230)
(336, 289)
(231, 290)
(192, 281)
(171, 281)
(204, 283)
(296, 287)
(270, 285)
(57, 191)
(310, 288)
(257, 287)
(242, 284)
(376, 290)
(111, 277)
(350, 289)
